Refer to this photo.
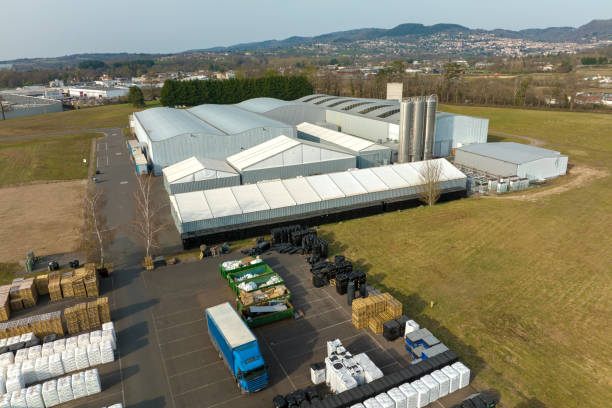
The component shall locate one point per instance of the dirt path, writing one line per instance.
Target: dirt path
(583, 175)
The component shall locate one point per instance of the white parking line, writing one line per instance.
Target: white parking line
(224, 402)
(204, 386)
(181, 324)
(278, 361)
(188, 353)
(181, 339)
(179, 312)
(191, 370)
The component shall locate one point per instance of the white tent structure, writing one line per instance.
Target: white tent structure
(194, 174)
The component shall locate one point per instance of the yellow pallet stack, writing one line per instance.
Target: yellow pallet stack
(5, 309)
(66, 284)
(54, 286)
(28, 293)
(42, 284)
(93, 315)
(103, 309)
(40, 325)
(92, 286)
(372, 312)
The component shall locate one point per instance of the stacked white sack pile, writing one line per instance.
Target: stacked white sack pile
(423, 391)
(343, 371)
(54, 359)
(235, 264)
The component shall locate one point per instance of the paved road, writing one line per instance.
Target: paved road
(141, 362)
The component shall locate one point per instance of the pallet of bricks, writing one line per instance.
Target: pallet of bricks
(20, 294)
(87, 316)
(40, 325)
(80, 283)
(372, 312)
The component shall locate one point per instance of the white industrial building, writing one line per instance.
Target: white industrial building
(284, 157)
(96, 92)
(196, 173)
(512, 159)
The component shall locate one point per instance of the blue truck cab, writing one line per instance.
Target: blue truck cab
(238, 347)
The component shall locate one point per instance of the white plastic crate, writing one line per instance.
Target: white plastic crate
(453, 376)
(95, 337)
(5, 401)
(56, 366)
(13, 340)
(27, 337)
(3, 342)
(64, 389)
(358, 405)
(444, 382)
(117, 405)
(47, 349)
(464, 374)
(317, 376)
(372, 403)
(79, 389)
(107, 335)
(80, 355)
(18, 399)
(93, 354)
(398, 397)
(69, 360)
(49, 393)
(34, 396)
(92, 381)
(28, 371)
(411, 395)
(433, 386)
(42, 368)
(2, 386)
(108, 355)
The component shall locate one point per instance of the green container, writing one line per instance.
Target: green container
(259, 280)
(240, 306)
(258, 269)
(268, 318)
(224, 273)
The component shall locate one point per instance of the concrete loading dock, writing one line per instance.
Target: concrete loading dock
(196, 375)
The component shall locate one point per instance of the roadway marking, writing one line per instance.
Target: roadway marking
(174, 313)
(191, 370)
(113, 304)
(278, 361)
(189, 352)
(118, 154)
(162, 360)
(181, 339)
(123, 182)
(204, 386)
(224, 402)
(181, 324)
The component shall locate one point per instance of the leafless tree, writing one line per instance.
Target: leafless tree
(4, 108)
(431, 188)
(147, 223)
(97, 236)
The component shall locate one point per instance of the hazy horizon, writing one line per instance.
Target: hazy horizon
(45, 29)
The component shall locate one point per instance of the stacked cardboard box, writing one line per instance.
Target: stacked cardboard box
(42, 284)
(28, 293)
(372, 312)
(66, 284)
(54, 286)
(103, 309)
(40, 325)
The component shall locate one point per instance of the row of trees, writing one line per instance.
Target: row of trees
(196, 92)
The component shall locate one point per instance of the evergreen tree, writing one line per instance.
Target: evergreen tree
(135, 97)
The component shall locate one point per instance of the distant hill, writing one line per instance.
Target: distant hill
(601, 29)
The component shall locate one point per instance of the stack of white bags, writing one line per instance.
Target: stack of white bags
(34, 397)
(78, 385)
(92, 382)
(343, 371)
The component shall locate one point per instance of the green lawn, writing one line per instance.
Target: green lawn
(522, 290)
(82, 119)
(48, 158)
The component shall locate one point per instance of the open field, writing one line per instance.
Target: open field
(82, 119)
(46, 218)
(42, 159)
(521, 288)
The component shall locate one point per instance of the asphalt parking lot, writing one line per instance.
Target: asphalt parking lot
(197, 377)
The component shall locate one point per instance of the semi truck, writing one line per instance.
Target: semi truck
(237, 346)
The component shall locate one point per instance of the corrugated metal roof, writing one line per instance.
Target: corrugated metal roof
(511, 152)
(302, 190)
(262, 151)
(349, 142)
(263, 105)
(193, 165)
(165, 123)
(231, 119)
(231, 325)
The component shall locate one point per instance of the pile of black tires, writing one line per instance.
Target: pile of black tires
(298, 398)
(480, 400)
(297, 239)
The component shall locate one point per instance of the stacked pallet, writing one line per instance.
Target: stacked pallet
(54, 286)
(93, 314)
(42, 284)
(40, 325)
(148, 263)
(103, 309)
(28, 293)
(72, 320)
(372, 312)
(87, 316)
(91, 286)
(78, 286)
(5, 309)
(66, 284)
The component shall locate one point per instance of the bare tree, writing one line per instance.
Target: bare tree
(431, 188)
(97, 236)
(4, 108)
(147, 224)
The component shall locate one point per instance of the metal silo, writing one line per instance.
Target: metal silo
(430, 126)
(418, 130)
(406, 110)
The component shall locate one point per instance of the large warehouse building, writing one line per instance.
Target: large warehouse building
(208, 131)
(233, 212)
(512, 159)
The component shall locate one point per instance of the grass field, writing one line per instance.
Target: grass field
(82, 119)
(43, 159)
(521, 290)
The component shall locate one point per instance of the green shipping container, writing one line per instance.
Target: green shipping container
(268, 318)
(224, 273)
(259, 269)
(260, 281)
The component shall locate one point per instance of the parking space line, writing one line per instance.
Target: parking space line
(309, 303)
(98, 397)
(322, 347)
(286, 339)
(180, 311)
(278, 361)
(162, 360)
(113, 301)
(189, 352)
(181, 339)
(224, 402)
(204, 386)
(181, 324)
(195, 369)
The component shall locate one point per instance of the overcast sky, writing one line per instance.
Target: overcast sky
(49, 28)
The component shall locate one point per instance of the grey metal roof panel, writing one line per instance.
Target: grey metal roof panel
(263, 105)
(165, 123)
(262, 151)
(511, 152)
(231, 119)
(192, 206)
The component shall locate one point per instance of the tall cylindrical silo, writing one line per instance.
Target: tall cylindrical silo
(430, 126)
(418, 130)
(406, 108)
